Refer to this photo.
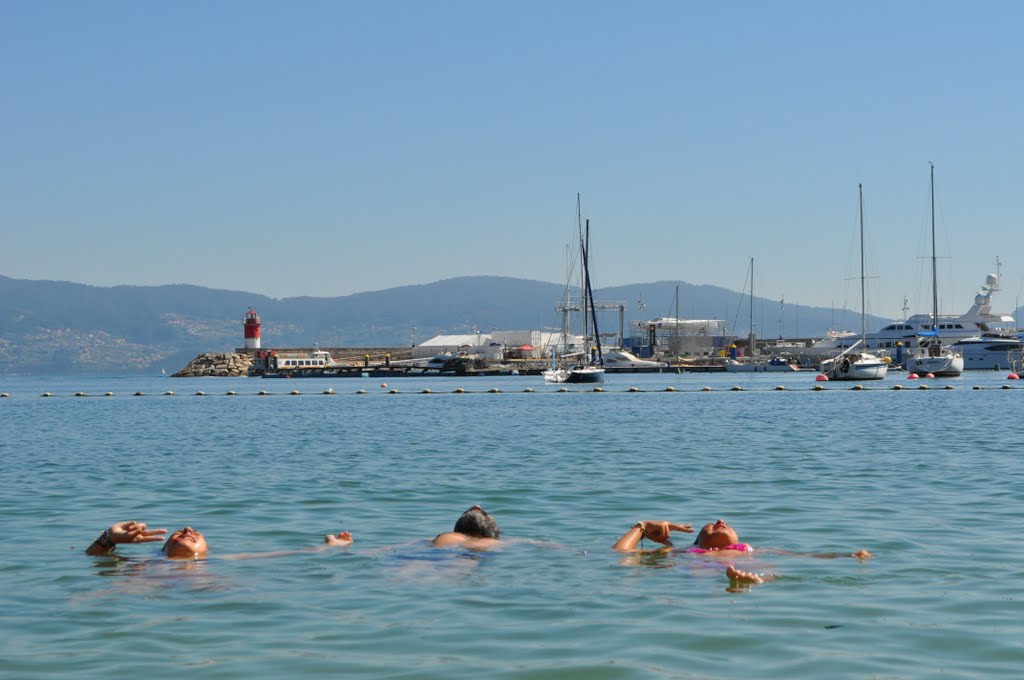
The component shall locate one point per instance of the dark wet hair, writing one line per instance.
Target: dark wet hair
(477, 523)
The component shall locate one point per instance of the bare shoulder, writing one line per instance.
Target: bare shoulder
(449, 538)
(454, 538)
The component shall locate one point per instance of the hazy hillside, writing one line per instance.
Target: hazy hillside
(61, 328)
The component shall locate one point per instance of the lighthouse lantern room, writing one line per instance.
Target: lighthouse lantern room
(251, 326)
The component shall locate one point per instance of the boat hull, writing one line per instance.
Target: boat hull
(759, 367)
(940, 367)
(849, 368)
(585, 374)
(989, 353)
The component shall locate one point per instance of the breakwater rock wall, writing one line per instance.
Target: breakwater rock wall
(224, 365)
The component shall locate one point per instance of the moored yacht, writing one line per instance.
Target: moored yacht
(621, 361)
(991, 351)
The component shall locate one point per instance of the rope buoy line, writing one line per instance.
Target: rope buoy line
(632, 389)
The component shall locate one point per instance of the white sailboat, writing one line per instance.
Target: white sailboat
(850, 364)
(590, 365)
(931, 356)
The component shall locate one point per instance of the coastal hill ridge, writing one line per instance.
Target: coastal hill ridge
(59, 327)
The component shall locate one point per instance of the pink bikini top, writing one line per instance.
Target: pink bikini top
(741, 547)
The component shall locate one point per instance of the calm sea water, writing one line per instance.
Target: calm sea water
(929, 481)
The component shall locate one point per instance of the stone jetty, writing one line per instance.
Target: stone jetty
(224, 365)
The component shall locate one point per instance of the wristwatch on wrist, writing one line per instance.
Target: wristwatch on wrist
(104, 540)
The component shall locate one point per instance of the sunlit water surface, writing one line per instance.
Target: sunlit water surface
(930, 481)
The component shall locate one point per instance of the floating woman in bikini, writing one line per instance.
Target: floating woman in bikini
(715, 540)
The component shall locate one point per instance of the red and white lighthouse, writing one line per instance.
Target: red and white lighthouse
(252, 329)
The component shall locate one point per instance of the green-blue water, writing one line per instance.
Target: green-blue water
(929, 481)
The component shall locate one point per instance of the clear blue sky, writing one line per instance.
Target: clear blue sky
(327, 148)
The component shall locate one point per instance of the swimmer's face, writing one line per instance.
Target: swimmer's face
(717, 535)
(185, 543)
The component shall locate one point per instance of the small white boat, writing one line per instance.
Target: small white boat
(775, 364)
(850, 365)
(590, 366)
(930, 355)
(621, 361)
(854, 366)
(933, 357)
(576, 374)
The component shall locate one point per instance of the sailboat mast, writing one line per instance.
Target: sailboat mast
(860, 210)
(583, 280)
(590, 296)
(935, 284)
(750, 339)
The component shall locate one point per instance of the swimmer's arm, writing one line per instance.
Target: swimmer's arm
(860, 554)
(658, 531)
(330, 541)
(123, 532)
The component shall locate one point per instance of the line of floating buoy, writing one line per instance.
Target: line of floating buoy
(529, 390)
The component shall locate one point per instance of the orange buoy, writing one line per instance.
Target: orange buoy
(930, 375)
(821, 377)
(1013, 376)
(913, 376)
(383, 385)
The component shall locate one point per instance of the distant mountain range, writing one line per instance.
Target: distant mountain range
(56, 327)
